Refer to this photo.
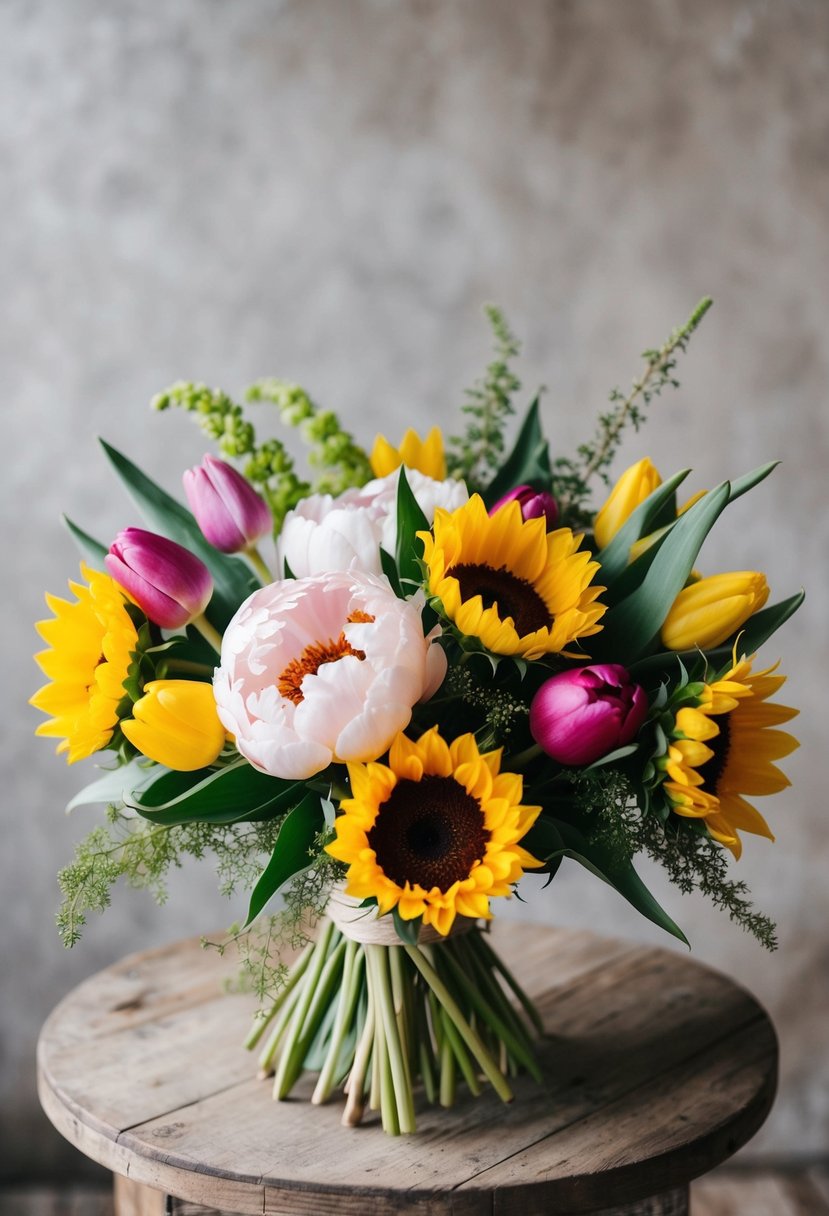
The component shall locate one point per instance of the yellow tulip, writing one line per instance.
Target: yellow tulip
(632, 488)
(425, 455)
(710, 610)
(176, 724)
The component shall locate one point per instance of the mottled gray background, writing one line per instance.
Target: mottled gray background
(329, 191)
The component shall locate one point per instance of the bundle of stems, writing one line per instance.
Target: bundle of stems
(376, 1020)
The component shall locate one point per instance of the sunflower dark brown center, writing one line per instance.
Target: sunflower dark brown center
(720, 745)
(508, 594)
(429, 832)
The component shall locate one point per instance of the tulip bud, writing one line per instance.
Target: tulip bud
(228, 510)
(632, 488)
(580, 715)
(168, 582)
(534, 503)
(710, 610)
(176, 724)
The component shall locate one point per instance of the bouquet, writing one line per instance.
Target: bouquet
(446, 669)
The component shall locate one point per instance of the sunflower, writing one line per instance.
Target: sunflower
(435, 832)
(508, 582)
(724, 747)
(92, 642)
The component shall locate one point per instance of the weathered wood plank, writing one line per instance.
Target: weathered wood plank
(150, 1080)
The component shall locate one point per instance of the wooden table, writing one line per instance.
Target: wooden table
(656, 1068)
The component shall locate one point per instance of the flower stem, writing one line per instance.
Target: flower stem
(259, 565)
(349, 995)
(396, 1050)
(528, 754)
(355, 1103)
(293, 1053)
(297, 970)
(473, 1042)
(208, 632)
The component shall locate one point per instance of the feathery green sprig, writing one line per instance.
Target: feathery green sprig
(476, 455)
(571, 477)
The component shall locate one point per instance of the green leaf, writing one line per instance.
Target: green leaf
(387, 564)
(92, 550)
(544, 842)
(116, 785)
(410, 521)
(191, 647)
(527, 464)
(630, 627)
(291, 853)
(407, 930)
(741, 485)
(623, 878)
(233, 581)
(622, 578)
(619, 754)
(236, 794)
(616, 556)
(754, 634)
(760, 627)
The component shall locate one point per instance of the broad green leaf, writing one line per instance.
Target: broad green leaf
(544, 842)
(615, 558)
(237, 794)
(410, 521)
(233, 581)
(629, 627)
(92, 550)
(623, 878)
(527, 464)
(291, 853)
(118, 784)
(760, 627)
(622, 578)
(754, 634)
(741, 485)
(387, 564)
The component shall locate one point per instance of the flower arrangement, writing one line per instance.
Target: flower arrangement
(452, 671)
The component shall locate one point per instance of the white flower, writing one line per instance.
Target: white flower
(323, 669)
(324, 533)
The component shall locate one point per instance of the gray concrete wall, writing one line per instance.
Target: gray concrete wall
(329, 190)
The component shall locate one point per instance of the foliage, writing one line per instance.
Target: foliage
(476, 455)
(142, 854)
(695, 862)
(572, 476)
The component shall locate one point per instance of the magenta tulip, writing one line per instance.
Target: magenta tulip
(167, 582)
(579, 716)
(228, 510)
(534, 503)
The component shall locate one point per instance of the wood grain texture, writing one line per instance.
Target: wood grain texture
(656, 1069)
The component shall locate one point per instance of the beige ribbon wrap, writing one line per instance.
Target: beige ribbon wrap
(364, 925)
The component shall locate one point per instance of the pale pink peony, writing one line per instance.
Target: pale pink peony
(323, 669)
(324, 533)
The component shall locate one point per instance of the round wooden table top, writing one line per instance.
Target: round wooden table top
(656, 1069)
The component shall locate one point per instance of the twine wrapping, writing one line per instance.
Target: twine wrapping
(364, 925)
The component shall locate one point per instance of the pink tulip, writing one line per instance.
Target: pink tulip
(534, 503)
(228, 510)
(168, 583)
(580, 715)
